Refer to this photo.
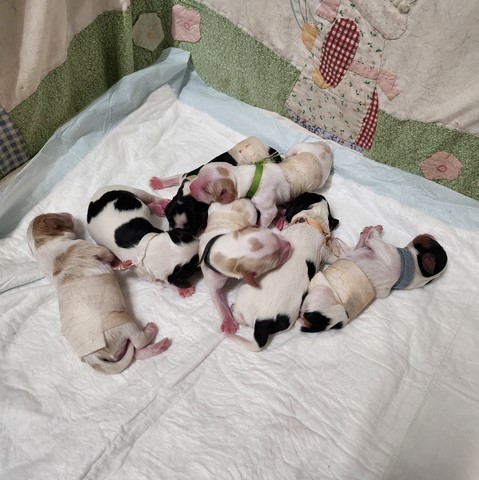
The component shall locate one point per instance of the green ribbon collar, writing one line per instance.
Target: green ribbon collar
(258, 173)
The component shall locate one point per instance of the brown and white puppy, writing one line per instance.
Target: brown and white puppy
(120, 218)
(306, 167)
(274, 305)
(184, 211)
(93, 313)
(233, 247)
(371, 270)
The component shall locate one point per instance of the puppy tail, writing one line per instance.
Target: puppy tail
(110, 368)
(248, 344)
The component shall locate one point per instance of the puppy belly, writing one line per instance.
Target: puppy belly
(88, 307)
(351, 287)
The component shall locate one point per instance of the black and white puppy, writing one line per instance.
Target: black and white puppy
(119, 218)
(274, 305)
(184, 211)
(371, 270)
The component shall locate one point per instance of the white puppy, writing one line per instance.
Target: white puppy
(119, 218)
(371, 270)
(232, 247)
(306, 167)
(274, 305)
(93, 313)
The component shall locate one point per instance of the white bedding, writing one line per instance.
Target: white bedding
(392, 396)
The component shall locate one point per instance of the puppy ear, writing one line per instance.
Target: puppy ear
(249, 278)
(226, 196)
(54, 224)
(428, 261)
(303, 202)
(333, 222)
(222, 190)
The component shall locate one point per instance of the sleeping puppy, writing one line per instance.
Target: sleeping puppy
(184, 211)
(371, 270)
(232, 246)
(306, 167)
(119, 218)
(93, 313)
(274, 305)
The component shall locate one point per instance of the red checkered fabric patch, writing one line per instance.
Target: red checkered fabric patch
(365, 137)
(338, 50)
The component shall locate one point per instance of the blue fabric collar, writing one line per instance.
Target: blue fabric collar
(408, 269)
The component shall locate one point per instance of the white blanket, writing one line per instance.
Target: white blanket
(394, 395)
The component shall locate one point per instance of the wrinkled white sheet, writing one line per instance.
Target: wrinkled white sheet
(392, 396)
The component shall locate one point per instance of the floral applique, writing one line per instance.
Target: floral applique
(148, 31)
(185, 25)
(441, 166)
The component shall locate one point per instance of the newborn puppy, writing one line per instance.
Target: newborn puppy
(344, 289)
(184, 211)
(306, 167)
(232, 246)
(274, 305)
(119, 218)
(93, 313)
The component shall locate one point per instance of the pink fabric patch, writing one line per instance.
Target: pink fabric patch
(185, 24)
(328, 9)
(441, 166)
(384, 78)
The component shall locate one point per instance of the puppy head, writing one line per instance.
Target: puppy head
(214, 183)
(49, 226)
(314, 205)
(187, 213)
(249, 253)
(430, 259)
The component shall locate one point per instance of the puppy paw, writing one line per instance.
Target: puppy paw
(229, 326)
(366, 230)
(156, 183)
(152, 350)
(157, 209)
(163, 345)
(186, 291)
(151, 329)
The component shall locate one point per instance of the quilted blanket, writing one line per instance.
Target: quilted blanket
(393, 395)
